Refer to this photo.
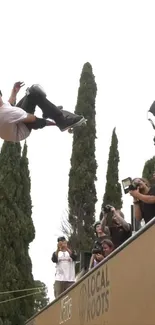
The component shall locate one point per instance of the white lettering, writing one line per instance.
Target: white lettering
(66, 309)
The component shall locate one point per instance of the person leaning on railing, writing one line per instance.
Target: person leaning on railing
(101, 234)
(107, 247)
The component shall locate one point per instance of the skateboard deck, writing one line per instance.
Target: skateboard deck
(80, 123)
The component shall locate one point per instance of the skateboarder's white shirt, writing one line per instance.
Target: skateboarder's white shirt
(11, 126)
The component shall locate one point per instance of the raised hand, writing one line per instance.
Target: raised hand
(17, 86)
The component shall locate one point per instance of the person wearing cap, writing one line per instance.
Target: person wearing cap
(65, 260)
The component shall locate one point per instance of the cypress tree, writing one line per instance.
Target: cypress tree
(10, 169)
(149, 170)
(10, 220)
(82, 176)
(25, 196)
(15, 264)
(28, 233)
(41, 299)
(113, 192)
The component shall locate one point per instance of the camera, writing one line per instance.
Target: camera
(97, 251)
(97, 248)
(129, 185)
(107, 208)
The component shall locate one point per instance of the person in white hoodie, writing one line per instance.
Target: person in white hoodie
(17, 122)
(65, 260)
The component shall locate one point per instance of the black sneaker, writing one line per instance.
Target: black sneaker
(70, 121)
(46, 116)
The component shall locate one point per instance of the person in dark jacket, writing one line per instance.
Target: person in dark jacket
(120, 230)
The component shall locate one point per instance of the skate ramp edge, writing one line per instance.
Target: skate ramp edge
(119, 291)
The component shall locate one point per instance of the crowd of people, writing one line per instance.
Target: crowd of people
(111, 231)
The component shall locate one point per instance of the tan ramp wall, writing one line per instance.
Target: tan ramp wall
(121, 291)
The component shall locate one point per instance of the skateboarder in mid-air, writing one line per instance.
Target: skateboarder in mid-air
(17, 121)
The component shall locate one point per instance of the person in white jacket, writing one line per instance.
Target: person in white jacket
(65, 259)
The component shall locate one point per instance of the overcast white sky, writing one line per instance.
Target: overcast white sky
(48, 42)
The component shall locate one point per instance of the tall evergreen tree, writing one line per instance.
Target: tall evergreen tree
(9, 231)
(41, 299)
(10, 169)
(15, 265)
(25, 196)
(149, 169)
(27, 234)
(113, 192)
(82, 176)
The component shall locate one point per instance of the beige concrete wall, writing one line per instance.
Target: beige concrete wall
(119, 292)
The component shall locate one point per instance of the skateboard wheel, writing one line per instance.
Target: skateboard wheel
(70, 131)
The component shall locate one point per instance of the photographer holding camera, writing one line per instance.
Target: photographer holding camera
(65, 259)
(120, 230)
(105, 249)
(97, 251)
(143, 199)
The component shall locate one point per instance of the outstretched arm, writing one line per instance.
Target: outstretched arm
(17, 86)
(117, 216)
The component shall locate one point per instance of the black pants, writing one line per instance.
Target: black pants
(29, 102)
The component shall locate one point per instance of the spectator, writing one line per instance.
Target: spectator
(120, 230)
(100, 232)
(96, 258)
(143, 200)
(107, 246)
(97, 253)
(65, 267)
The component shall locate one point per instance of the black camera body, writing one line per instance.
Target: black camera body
(107, 208)
(132, 187)
(97, 248)
(129, 185)
(97, 251)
